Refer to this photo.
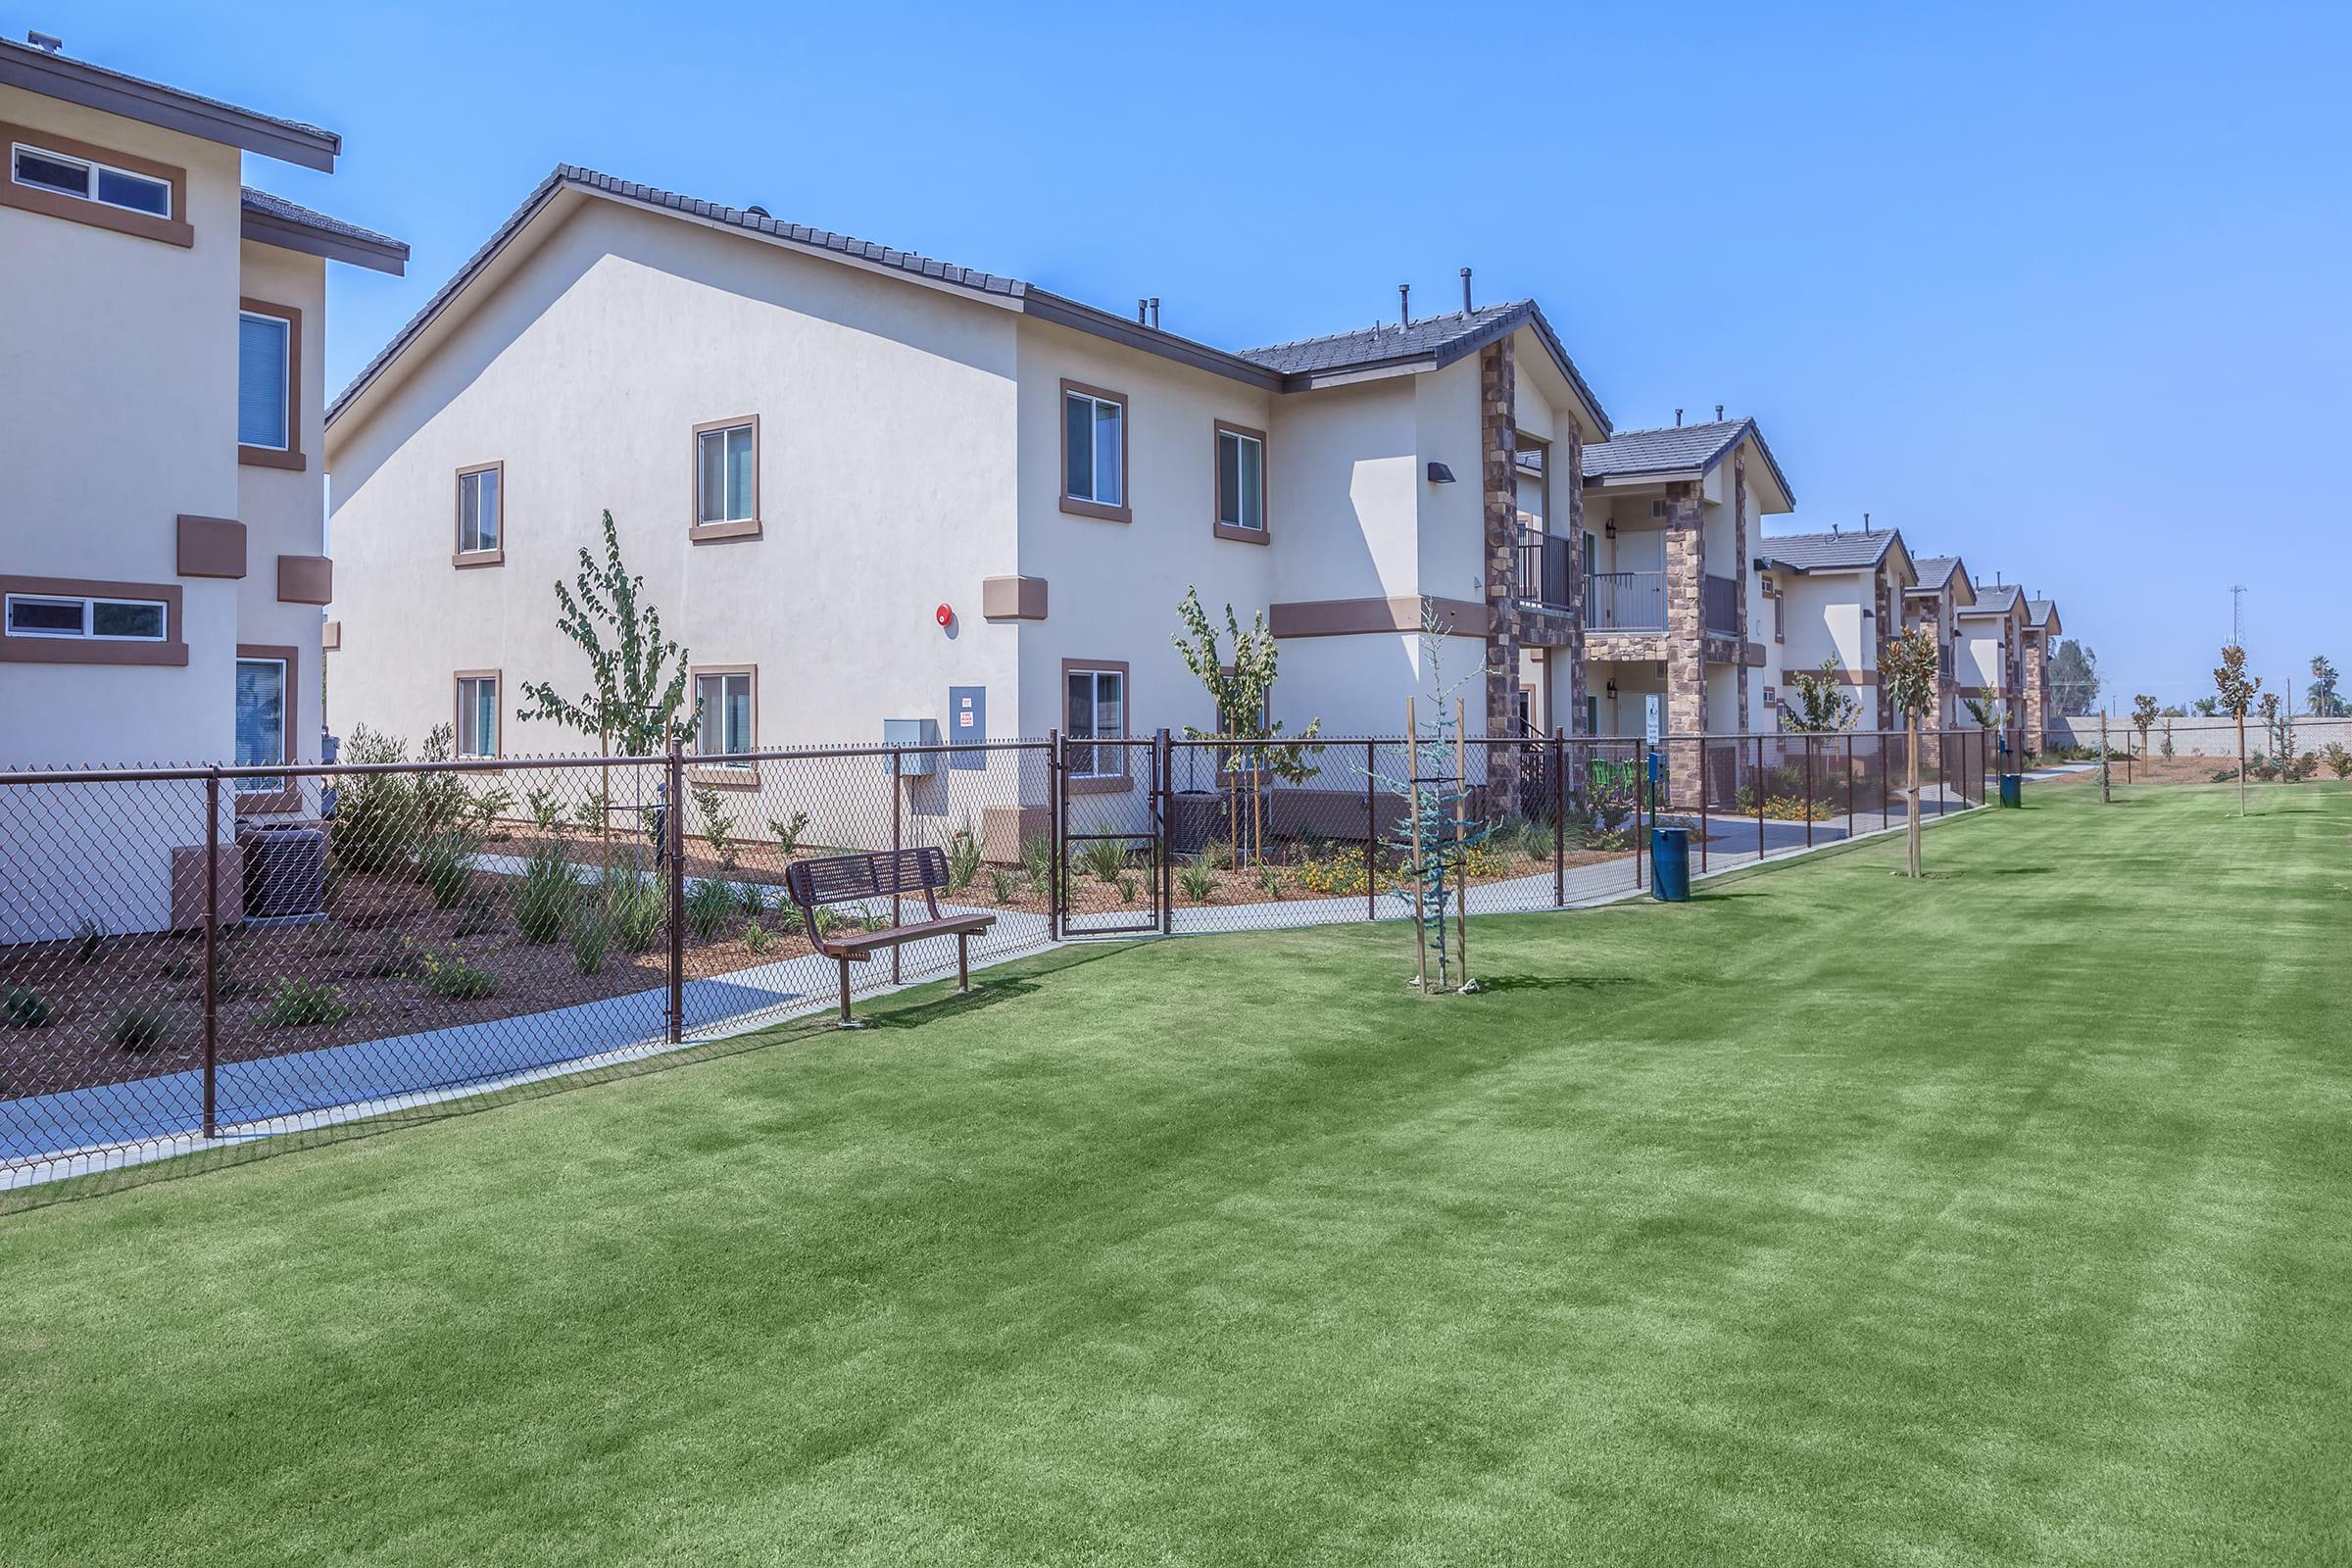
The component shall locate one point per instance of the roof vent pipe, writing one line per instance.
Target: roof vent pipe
(1678, 419)
(49, 43)
(1866, 524)
(1154, 312)
(1142, 312)
(1718, 413)
(756, 211)
(1465, 291)
(1405, 304)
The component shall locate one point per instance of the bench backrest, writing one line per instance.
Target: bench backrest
(851, 878)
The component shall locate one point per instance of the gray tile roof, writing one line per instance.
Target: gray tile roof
(1827, 551)
(2040, 610)
(1285, 366)
(271, 205)
(62, 76)
(1997, 600)
(1933, 570)
(1677, 449)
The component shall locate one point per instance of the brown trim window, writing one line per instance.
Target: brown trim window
(269, 385)
(66, 621)
(474, 723)
(1240, 483)
(1095, 707)
(726, 479)
(266, 688)
(481, 515)
(82, 183)
(1094, 453)
(726, 702)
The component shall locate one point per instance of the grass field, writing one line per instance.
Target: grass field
(2003, 1217)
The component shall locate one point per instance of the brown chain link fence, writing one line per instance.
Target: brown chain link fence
(199, 958)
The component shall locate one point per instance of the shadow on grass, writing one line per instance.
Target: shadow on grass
(2023, 870)
(1557, 982)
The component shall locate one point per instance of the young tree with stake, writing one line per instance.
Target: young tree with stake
(2234, 693)
(1907, 672)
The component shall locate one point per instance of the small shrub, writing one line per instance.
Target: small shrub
(788, 918)
(788, 832)
(455, 978)
(591, 934)
(826, 920)
(544, 897)
(718, 828)
(1128, 886)
(89, 940)
(1000, 887)
(963, 858)
(23, 1008)
(2223, 775)
(1269, 880)
(755, 898)
(1198, 880)
(444, 866)
(1037, 864)
(872, 920)
(477, 916)
(138, 1029)
(1102, 858)
(756, 936)
(304, 1003)
(395, 960)
(2339, 759)
(1217, 854)
(708, 903)
(633, 904)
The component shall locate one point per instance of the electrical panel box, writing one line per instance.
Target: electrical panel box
(967, 720)
(913, 732)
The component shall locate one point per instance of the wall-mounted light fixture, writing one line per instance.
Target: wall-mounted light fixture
(1439, 473)
(1612, 691)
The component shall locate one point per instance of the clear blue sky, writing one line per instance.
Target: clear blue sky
(2063, 288)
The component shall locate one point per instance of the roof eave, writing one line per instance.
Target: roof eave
(78, 82)
(269, 228)
(1079, 316)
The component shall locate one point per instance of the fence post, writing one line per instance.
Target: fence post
(1058, 803)
(1164, 841)
(1761, 790)
(1371, 833)
(1808, 790)
(1944, 780)
(675, 832)
(212, 947)
(1702, 796)
(1559, 817)
(1641, 829)
(897, 773)
(1853, 829)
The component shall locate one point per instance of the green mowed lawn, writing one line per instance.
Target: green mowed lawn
(2004, 1216)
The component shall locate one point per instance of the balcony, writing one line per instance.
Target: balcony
(1626, 601)
(1543, 571)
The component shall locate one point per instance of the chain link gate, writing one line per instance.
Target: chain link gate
(1110, 836)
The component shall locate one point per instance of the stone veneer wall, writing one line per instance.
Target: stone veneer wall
(1499, 475)
(1739, 572)
(1686, 637)
(2038, 675)
(1888, 599)
(1574, 651)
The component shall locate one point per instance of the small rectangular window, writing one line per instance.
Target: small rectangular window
(90, 182)
(477, 715)
(264, 378)
(1097, 699)
(724, 491)
(68, 176)
(134, 192)
(724, 727)
(478, 518)
(261, 726)
(1241, 480)
(106, 619)
(1093, 447)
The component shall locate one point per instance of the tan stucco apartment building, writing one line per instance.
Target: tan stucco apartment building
(1832, 602)
(163, 565)
(854, 478)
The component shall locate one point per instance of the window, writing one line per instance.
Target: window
(141, 620)
(1592, 557)
(1095, 709)
(262, 366)
(477, 714)
(1094, 453)
(261, 720)
(1240, 483)
(90, 182)
(724, 697)
(726, 479)
(481, 517)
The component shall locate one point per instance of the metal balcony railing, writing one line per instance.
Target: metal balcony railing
(1543, 571)
(1626, 601)
(1719, 604)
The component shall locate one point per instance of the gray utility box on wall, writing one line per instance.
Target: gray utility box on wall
(913, 732)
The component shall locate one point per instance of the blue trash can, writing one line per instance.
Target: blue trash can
(2013, 789)
(1670, 864)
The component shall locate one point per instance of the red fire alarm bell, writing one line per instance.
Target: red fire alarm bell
(945, 615)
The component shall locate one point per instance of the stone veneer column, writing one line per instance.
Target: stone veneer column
(1498, 473)
(1883, 719)
(1574, 650)
(1739, 577)
(2037, 674)
(1685, 638)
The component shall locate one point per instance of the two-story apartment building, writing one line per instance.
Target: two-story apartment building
(866, 485)
(1992, 656)
(2039, 646)
(1670, 519)
(1935, 601)
(163, 564)
(1832, 602)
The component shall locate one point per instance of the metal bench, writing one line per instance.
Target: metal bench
(891, 874)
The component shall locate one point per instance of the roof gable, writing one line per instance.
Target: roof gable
(116, 92)
(1833, 551)
(1680, 449)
